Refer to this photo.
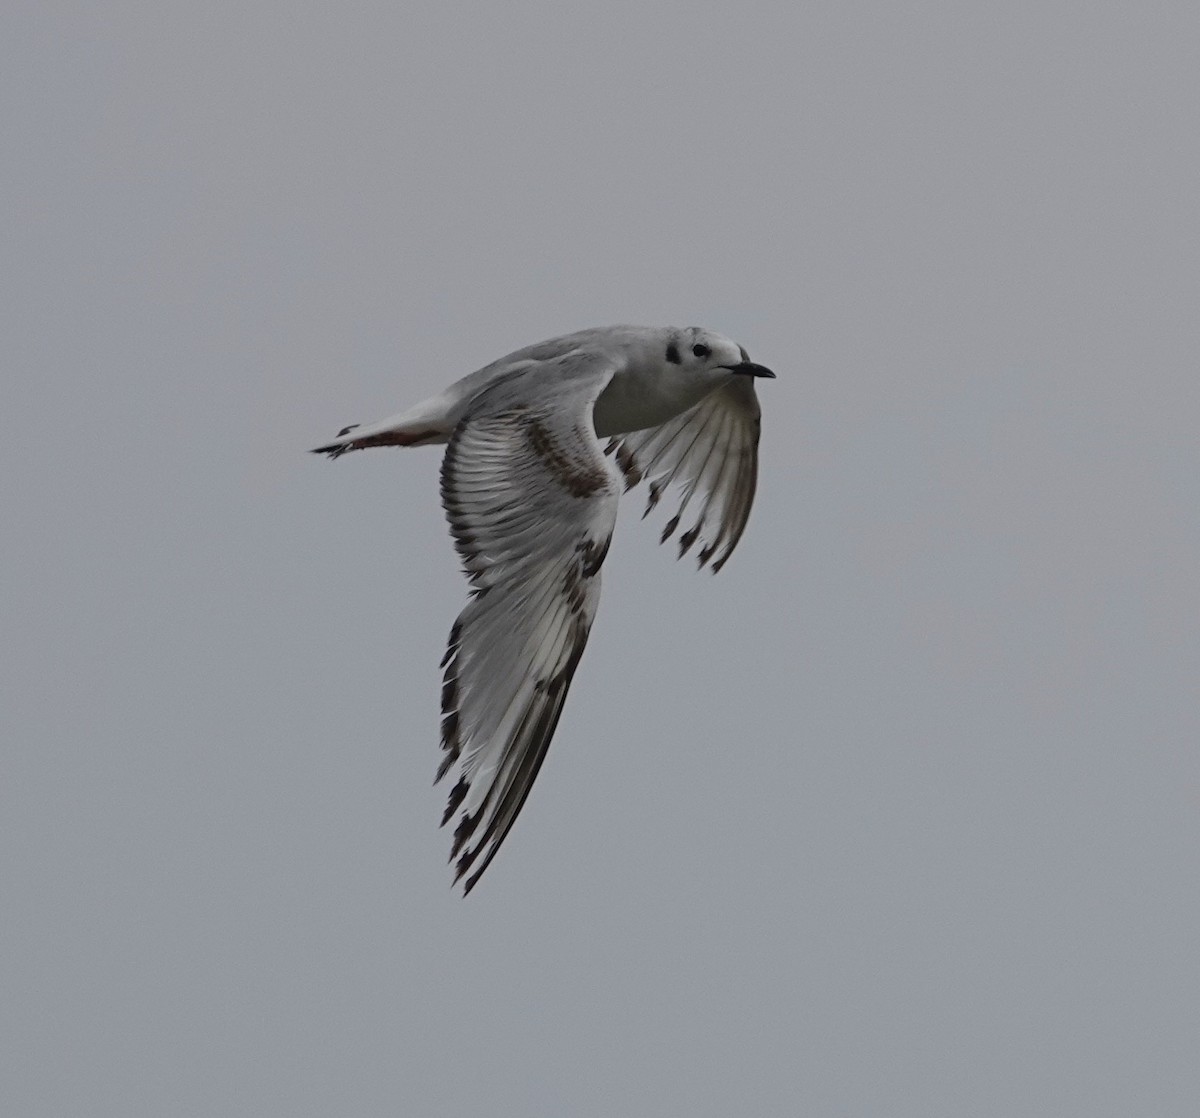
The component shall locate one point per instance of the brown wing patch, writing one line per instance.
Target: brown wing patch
(577, 477)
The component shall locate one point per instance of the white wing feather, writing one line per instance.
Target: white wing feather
(710, 454)
(532, 502)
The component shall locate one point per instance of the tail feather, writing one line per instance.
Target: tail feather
(336, 449)
(343, 445)
(407, 430)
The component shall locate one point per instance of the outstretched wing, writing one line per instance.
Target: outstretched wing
(532, 502)
(710, 454)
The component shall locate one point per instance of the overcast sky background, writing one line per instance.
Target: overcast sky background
(898, 816)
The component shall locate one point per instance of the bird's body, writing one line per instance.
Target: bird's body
(531, 495)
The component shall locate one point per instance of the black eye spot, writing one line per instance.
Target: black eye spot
(673, 353)
(701, 350)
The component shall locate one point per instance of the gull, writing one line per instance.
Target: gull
(538, 444)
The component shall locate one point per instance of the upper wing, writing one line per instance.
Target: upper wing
(532, 502)
(710, 450)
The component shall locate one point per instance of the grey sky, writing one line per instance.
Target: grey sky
(898, 816)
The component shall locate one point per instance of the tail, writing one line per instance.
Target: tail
(409, 429)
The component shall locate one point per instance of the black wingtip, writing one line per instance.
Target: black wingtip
(471, 881)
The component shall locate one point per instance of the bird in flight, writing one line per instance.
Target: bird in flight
(538, 446)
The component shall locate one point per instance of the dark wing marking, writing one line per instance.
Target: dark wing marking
(531, 502)
(710, 455)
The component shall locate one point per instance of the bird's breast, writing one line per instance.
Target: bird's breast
(632, 402)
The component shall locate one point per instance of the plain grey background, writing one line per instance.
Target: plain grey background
(897, 816)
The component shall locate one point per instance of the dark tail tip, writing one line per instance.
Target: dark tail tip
(336, 450)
